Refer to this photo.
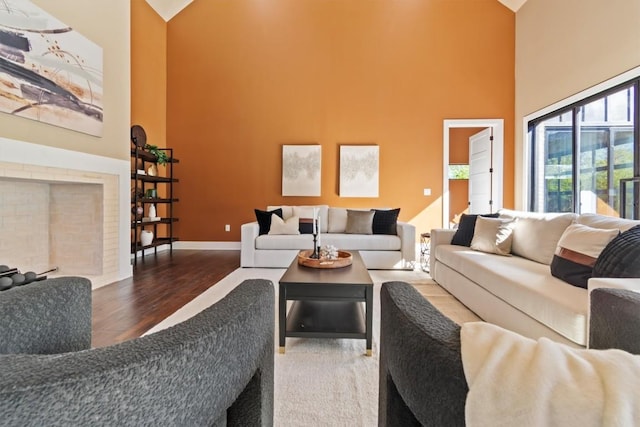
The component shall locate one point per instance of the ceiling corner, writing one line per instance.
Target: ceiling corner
(513, 4)
(167, 9)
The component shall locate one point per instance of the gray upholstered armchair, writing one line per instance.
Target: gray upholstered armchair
(422, 380)
(213, 369)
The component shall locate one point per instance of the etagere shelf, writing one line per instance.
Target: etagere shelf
(162, 194)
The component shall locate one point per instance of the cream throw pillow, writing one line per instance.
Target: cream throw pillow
(281, 226)
(492, 235)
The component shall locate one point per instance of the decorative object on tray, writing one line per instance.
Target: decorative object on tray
(316, 235)
(343, 259)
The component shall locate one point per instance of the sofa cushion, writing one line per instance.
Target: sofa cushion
(536, 235)
(577, 251)
(337, 220)
(466, 228)
(305, 212)
(525, 285)
(347, 242)
(359, 222)
(264, 219)
(607, 222)
(492, 235)
(385, 221)
(281, 226)
(621, 257)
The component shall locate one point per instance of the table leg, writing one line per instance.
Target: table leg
(369, 317)
(282, 316)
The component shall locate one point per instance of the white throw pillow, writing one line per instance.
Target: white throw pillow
(492, 235)
(282, 226)
(516, 381)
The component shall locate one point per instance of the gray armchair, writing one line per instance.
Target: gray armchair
(422, 380)
(213, 369)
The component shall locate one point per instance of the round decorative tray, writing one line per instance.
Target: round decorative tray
(344, 259)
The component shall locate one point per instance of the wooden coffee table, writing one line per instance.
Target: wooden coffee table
(327, 302)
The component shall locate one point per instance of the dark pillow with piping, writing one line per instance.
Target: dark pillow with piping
(466, 228)
(621, 257)
(305, 226)
(385, 221)
(264, 219)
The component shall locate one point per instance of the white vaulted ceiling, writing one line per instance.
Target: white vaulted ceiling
(168, 8)
(513, 4)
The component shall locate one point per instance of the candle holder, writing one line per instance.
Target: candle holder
(316, 252)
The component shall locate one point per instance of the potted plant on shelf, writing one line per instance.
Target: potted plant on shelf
(161, 155)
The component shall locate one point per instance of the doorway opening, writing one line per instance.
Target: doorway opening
(450, 135)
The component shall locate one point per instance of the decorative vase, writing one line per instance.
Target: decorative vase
(146, 237)
(152, 211)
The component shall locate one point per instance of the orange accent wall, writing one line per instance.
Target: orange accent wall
(149, 82)
(149, 72)
(248, 76)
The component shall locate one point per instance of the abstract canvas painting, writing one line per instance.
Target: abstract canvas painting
(48, 71)
(359, 170)
(301, 170)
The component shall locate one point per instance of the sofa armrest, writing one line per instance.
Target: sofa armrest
(615, 319)
(407, 234)
(248, 234)
(422, 380)
(46, 317)
(439, 236)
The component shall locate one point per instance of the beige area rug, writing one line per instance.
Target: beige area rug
(326, 382)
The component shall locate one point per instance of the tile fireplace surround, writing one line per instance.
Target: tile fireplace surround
(65, 209)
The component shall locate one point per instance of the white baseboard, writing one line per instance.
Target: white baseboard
(208, 246)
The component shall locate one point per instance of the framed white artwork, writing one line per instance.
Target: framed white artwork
(359, 174)
(301, 170)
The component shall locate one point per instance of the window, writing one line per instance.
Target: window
(581, 154)
(458, 171)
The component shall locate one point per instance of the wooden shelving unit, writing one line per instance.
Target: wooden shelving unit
(163, 185)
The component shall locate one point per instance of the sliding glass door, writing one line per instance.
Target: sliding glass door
(580, 156)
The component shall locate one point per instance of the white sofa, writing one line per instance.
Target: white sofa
(378, 251)
(516, 292)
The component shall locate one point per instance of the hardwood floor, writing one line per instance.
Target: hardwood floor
(160, 285)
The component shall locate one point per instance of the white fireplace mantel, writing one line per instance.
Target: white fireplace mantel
(28, 161)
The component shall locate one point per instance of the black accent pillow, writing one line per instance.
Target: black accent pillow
(264, 219)
(466, 228)
(385, 221)
(305, 226)
(621, 257)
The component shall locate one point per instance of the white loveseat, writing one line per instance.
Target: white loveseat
(516, 292)
(378, 251)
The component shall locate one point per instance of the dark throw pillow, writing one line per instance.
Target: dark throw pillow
(466, 228)
(578, 249)
(621, 257)
(306, 226)
(264, 219)
(385, 221)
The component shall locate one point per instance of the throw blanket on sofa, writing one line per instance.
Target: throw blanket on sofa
(516, 381)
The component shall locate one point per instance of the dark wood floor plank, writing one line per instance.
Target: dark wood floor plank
(160, 285)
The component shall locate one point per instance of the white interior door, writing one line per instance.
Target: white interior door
(481, 192)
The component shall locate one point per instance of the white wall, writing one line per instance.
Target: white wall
(564, 47)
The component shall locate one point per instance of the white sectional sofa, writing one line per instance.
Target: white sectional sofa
(518, 292)
(378, 251)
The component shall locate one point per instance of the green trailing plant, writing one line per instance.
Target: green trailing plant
(161, 155)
